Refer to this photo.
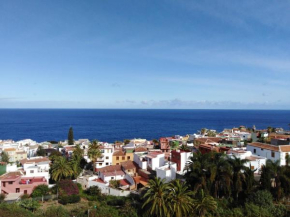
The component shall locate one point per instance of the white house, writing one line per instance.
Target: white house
(36, 167)
(155, 159)
(272, 152)
(167, 172)
(106, 159)
(255, 162)
(139, 159)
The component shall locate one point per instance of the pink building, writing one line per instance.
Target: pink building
(13, 182)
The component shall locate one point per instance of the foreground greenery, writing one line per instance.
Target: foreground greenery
(213, 185)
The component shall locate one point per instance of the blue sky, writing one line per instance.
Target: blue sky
(145, 54)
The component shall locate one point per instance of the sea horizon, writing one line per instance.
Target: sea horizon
(109, 125)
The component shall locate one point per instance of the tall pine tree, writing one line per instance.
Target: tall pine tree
(70, 136)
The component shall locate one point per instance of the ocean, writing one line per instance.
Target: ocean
(109, 125)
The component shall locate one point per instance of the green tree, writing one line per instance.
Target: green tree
(238, 166)
(40, 151)
(203, 131)
(70, 137)
(198, 171)
(4, 157)
(180, 199)
(126, 141)
(40, 190)
(204, 204)
(115, 183)
(75, 166)
(94, 152)
(184, 148)
(94, 191)
(261, 198)
(156, 198)
(61, 169)
(78, 152)
(211, 133)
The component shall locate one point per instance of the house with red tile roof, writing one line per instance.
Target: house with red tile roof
(269, 151)
(16, 182)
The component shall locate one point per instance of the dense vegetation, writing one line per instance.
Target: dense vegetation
(213, 185)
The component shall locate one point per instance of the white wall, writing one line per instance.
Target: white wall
(165, 173)
(138, 160)
(184, 158)
(11, 168)
(266, 153)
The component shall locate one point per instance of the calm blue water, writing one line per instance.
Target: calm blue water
(110, 125)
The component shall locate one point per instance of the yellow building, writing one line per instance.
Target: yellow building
(11, 153)
(121, 156)
(20, 155)
(15, 155)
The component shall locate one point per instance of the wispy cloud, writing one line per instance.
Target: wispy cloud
(207, 104)
(116, 85)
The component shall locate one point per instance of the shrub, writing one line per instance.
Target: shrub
(29, 204)
(24, 196)
(261, 198)
(2, 197)
(40, 190)
(12, 210)
(93, 191)
(69, 199)
(55, 211)
(67, 187)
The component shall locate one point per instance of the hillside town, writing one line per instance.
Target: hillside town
(126, 167)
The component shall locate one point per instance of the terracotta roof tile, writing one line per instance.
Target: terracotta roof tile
(118, 153)
(265, 146)
(140, 149)
(128, 165)
(285, 148)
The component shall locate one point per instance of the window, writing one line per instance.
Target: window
(17, 190)
(31, 171)
(25, 191)
(107, 157)
(117, 158)
(272, 154)
(107, 163)
(262, 149)
(123, 158)
(117, 163)
(112, 177)
(10, 183)
(254, 151)
(128, 158)
(100, 164)
(129, 171)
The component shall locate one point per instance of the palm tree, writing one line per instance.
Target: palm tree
(203, 131)
(94, 152)
(198, 171)
(78, 152)
(280, 177)
(180, 199)
(238, 167)
(156, 198)
(221, 176)
(204, 204)
(60, 169)
(75, 166)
